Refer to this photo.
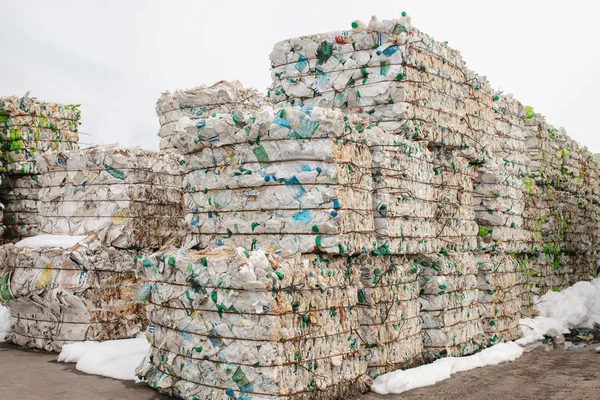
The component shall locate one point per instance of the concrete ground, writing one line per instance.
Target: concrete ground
(538, 375)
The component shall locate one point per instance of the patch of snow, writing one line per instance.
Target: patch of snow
(72, 353)
(4, 322)
(402, 380)
(577, 306)
(116, 359)
(46, 241)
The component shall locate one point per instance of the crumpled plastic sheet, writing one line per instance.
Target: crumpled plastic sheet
(20, 194)
(297, 180)
(58, 296)
(285, 327)
(130, 198)
(449, 309)
(502, 279)
(29, 126)
(180, 112)
(389, 309)
(391, 73)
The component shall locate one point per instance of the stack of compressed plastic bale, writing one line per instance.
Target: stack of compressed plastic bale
(284, 327)
(297, 180)
(505, 228)
(182, 113)
(389, 311)
(398, 77)
(69, 289)
(449, 308)
(567, 176)
(501, 281)
(29, 127)
(416, 90)
(130, 198)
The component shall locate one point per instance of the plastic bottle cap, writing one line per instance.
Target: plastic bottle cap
(354, 24)
(403, 13)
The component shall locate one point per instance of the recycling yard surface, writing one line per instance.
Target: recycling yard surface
(538, 374)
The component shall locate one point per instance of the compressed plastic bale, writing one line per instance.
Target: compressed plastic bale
(298, 180)
(186, 108)
(462, 339)
(448, 300)
(502, 281)
(131, 198)
(58, 296)
(284, 325)
(412, 203)
(29, 127)
(20, 194)
(391, 73)
(390, 325)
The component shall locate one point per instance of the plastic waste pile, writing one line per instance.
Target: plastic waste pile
(129, 198)
(234, 323)
(383, 157)
(29, 127)
(534, 189)
(57, 295)
(298, 180)
(566, 175)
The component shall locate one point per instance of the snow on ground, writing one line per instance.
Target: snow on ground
(575, 307)
(4, 322)
(116, 359)
(402, 380)
(46, 241)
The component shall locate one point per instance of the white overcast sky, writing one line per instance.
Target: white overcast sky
(116, 57)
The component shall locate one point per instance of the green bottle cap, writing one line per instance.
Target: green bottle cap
(354, 24)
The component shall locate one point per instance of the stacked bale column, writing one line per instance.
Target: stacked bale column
(29, 127)
(126, 201)
(413, 88)
(293, 183)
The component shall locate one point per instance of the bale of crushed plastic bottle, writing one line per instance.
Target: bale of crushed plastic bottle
(64, 289)
(285, 327)
(130, 198)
